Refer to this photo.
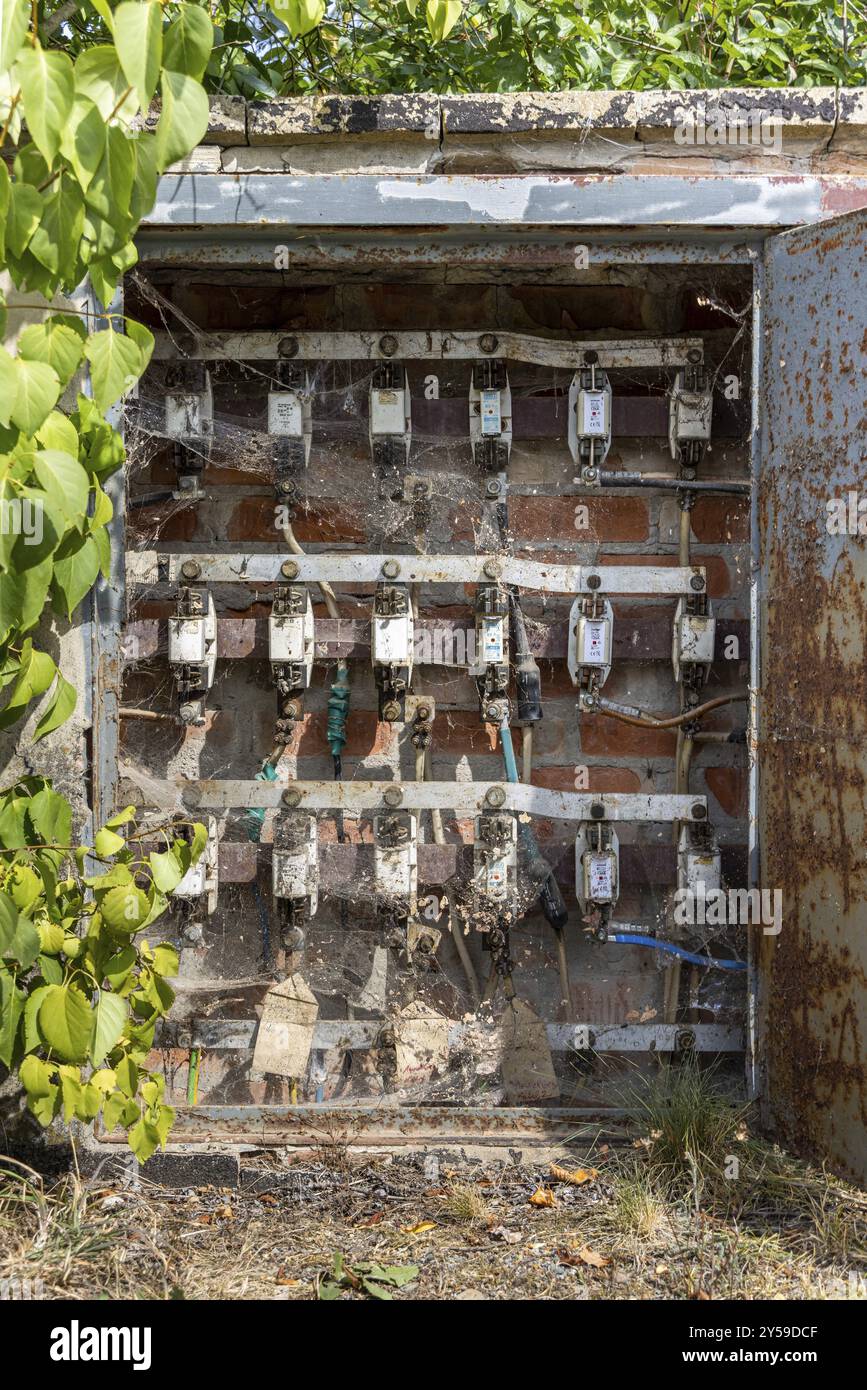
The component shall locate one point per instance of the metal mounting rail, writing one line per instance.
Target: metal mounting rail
(270, 567)
(384, 345)
(235, 1035)
(466, 798)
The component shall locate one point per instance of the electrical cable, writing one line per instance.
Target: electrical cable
(633, 939)
(627, 715)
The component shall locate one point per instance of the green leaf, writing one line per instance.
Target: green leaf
(65, 1021)
(122, 818)
(143, 1139)
(109, 1018)
(25, 210)
(116, 364)
(38, 387)
(48, 89)
(19, 939)
(55, 241)
(35, 1073)
(125, 909)
(143, 339)
(127, 1076)
(167, 872)
(14, 20)
(442, 16)
(63, 476)
(11, 1008)
(75, 573)
(117, 1109)
(138, 39)
(58, 709)
(107, 843)
(36, 673)
(55, 343)
(84, 139)
(99, 75)
(183, 118)
(71, 1090)
(165, 961)
(299, 16)
(119, 966)
(110, 189)
(8, 386)
(187, 42)
(23, 886)
(50, 938)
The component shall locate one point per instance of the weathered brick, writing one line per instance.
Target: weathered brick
(604, 737)
(253, 519)
(716, 520)
(730, 786)
(600, 779)
(555, 518)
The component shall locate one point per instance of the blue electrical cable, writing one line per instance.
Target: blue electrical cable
(509, 753)
(634, 939)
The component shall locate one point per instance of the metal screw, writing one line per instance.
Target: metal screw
(391, 569)
(495, 796)
(492, 569)
(492, 488)
(291, 797)
(488, 342)
(697, 582)
(684, 1040)
(391, 711)
(597, 811)
(289, 569)
(698, 812)
(388, 345)
(287, 347)
(190, 570)
(591, 358)
(423, 712)
(393, 797)
(694, 356)
(589, 474)
(188, 713)
(594, 581)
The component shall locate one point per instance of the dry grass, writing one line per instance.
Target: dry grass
(787, 1231)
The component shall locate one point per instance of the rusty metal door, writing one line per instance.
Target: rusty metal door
(812, 751)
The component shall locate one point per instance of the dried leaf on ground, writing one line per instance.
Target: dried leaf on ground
(576, 1176)
(582, 1255)
(543, 1197)
(419, 1228)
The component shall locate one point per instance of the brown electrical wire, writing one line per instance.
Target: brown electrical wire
(649, 721)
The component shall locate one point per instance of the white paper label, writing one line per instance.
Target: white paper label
(601, 877)
(594, 413)
(491, 418)
(594, 643)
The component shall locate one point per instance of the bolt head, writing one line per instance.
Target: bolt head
(488, 342)
(492, 569)
(188, 713)
(388, 345)
(697, 582)
(190, 569)
(597, 811)
(289, 569)
(694, 356)
(594, 581)
(492, 488)
(390, 569)
(287, 347)
(495, 796)
(423, 712)
(393, 797)
(698, 812)
(291, 797)
(391, 711)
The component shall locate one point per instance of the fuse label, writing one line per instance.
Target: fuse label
(594, 650)
(601, 877)
(492, 423)
(285, 414)
(594, 413)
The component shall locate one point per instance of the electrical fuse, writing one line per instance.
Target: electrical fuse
(295, 861)
(490, 415)
(491, 664)
(590, 645)
(395, 857)
(392, 648)
(597, 866)
(390, 426)
(290, 426)
(193, 650)
(201, 881)
(690, 411)
(693, 640)
(495, 858)
(189, 423)
(699, 863)
(590, 418)
(291, 635)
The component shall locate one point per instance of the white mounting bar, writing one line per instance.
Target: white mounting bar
(466, 798)
(272, 567)
(383, 346)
